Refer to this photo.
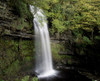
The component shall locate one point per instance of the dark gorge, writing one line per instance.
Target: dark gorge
(74, 29)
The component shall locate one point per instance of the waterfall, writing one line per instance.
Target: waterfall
(44, 64)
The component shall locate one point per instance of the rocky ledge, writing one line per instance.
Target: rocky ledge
(12, 25)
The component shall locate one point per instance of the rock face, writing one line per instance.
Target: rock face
(11, 24)
(16, 44)
(5, 17)
(62, 48)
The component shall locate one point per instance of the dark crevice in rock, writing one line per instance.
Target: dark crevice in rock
(66, 53)
(23, 35)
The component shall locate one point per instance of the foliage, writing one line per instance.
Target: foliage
(55, 52)
(26, 78)
(85, 18)
(13, 68)
(97, 37)
(35, 79)
(1, 80)
(21, 9)
(58, 25)
(14, 54)
(87, 40)
(80, 15)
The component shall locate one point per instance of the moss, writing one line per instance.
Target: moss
(35, 79)
(27, 48)
(14, 54)
(26, 78)
(56, 48)
(19, 7)
(1, 80)
(20, 10)
(13, 68)
(69, 62)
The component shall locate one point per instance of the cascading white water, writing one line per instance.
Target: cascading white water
(44, 64)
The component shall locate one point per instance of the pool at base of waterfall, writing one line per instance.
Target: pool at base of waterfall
(64, 75)
(48, 74)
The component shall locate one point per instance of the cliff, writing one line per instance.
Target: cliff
(16, 48)
(11, 24)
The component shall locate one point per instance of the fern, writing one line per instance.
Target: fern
(87, 40)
